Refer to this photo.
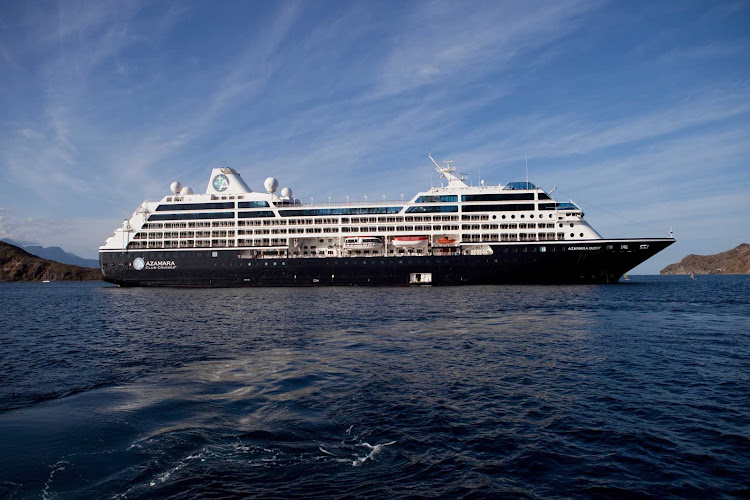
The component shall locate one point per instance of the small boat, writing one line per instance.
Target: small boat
(409, 241)
(625, 277)
(445, 241)
(362, 242)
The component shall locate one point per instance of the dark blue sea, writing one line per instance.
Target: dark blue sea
(640, 389)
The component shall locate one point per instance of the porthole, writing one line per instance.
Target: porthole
(503, 216)
(494, 217)
(572, 235)
(561, 224)
(571, 224)
(581, 235)
(512, 216)
(531, 216)
(550, 216)
(522, 216)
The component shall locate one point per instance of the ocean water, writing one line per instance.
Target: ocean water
(640, 389)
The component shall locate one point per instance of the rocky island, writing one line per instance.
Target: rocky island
(19, 265)
(734, 261)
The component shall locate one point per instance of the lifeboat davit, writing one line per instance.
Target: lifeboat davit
(409, 241)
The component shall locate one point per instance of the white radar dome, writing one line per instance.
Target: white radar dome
(175, 187)
(271, 185)
(186, 190)
(286, 193)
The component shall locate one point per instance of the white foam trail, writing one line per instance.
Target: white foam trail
(181, 465)
(60, 466)
(163, 477)
(326, 451)
(374, 450)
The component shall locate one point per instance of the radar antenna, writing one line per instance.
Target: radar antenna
(449, 172)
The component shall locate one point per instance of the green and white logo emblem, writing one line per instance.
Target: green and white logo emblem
(221, 182)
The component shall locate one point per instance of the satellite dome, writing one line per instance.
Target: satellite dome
(175, 187)
(286, 193)
(271, 185)
(186, 190)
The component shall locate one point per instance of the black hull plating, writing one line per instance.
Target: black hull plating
(602, 261)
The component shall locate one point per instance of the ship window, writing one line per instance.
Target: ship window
(207, 215)
(519, 185)
(544, 196)
(497, 197)
(194, 206)
(447, 198)
(340, 211)
(258, 213)
(510, 207)
(252, 204)
(432, 209)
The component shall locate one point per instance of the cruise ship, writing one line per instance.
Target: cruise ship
(454, 234)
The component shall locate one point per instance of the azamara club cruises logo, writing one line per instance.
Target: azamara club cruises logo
(139, 264)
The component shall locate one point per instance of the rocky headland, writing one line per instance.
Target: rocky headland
(17, 264)
(734, 261)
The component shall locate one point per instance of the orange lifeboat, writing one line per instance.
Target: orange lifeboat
(445, 241)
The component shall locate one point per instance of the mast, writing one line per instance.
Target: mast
(449, 172)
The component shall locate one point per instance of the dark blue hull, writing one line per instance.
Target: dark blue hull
(601, 261)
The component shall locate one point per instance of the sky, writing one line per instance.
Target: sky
(637, 111)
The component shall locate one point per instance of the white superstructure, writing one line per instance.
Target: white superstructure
(453, 219)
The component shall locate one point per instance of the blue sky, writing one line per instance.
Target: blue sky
(638, 111)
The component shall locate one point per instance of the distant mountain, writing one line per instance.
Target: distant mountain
(734, 261)
(55, 253)
(17, 264)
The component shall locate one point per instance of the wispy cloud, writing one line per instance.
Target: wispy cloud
(439, 43)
